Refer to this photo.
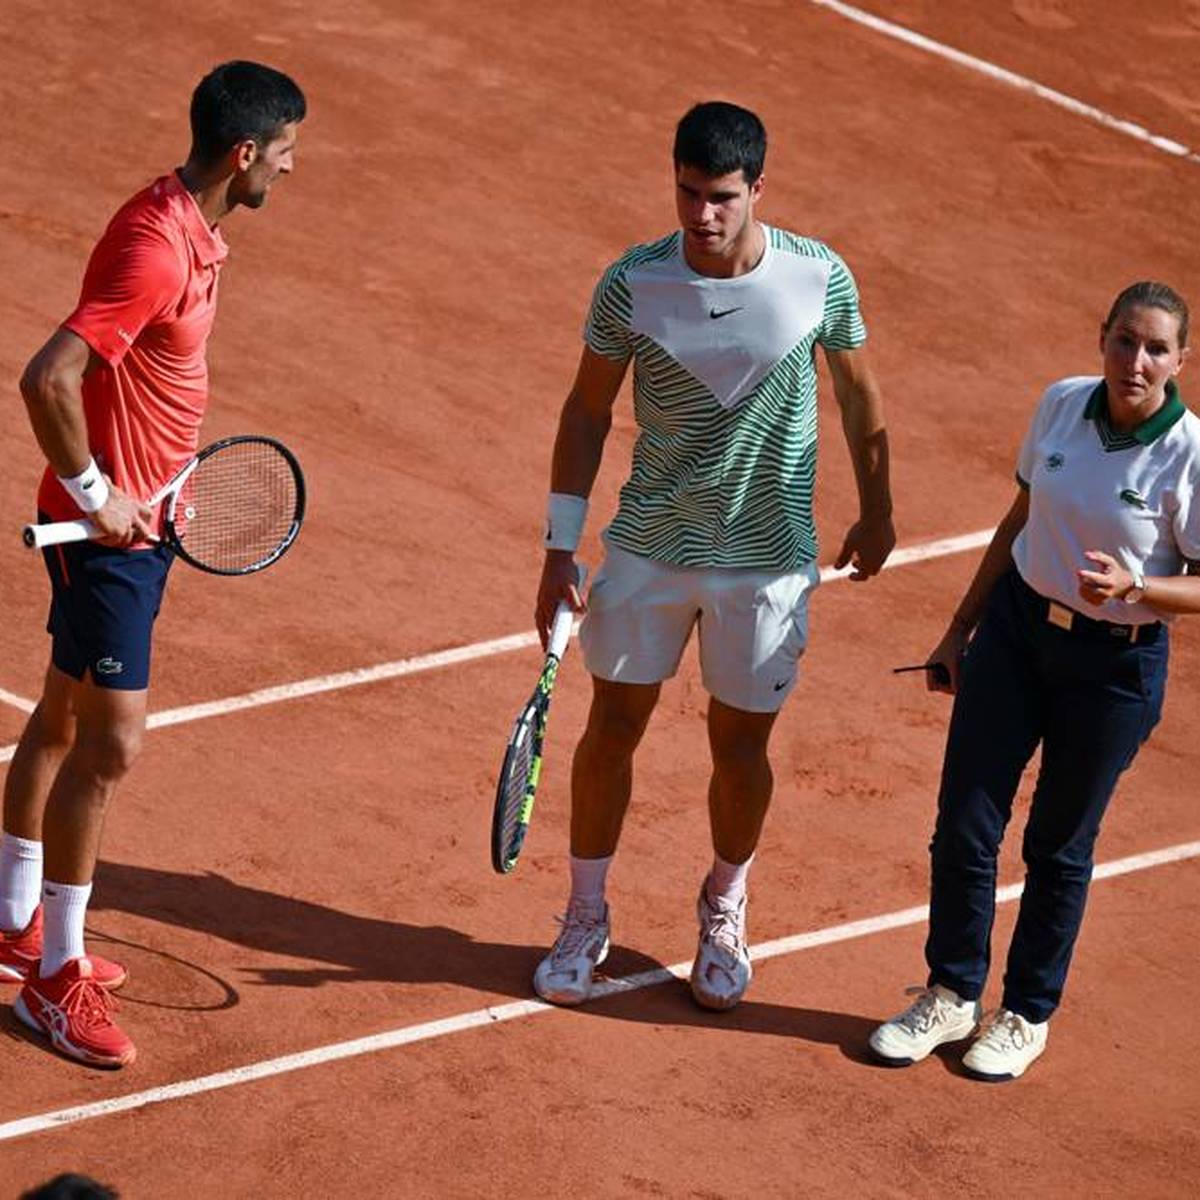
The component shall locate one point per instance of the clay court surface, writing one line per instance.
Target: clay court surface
(405, 313)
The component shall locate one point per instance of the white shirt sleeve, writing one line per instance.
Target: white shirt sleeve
(1027, 456)
(1186, 520)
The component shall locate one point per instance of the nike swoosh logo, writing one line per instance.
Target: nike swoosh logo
(717, 313)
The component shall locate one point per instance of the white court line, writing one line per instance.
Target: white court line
(16, 701)
(429, 1030)
(446, 658)
(902, 34)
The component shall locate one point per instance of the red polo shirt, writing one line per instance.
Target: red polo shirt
(146, 308)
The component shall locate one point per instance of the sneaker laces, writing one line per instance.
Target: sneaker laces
(89, 1004)
(723, 925)
(929, 1009)
(1005, 1030)
(579, 924)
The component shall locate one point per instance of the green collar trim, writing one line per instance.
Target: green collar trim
(1152, 428)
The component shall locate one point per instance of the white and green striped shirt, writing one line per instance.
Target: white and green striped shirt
(725, 397)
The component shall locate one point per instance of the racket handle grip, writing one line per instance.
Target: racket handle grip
(564, 618)
(57, 533)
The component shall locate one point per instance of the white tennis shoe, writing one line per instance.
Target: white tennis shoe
(938, 1015)
(564, 976)
(721, 971)
(1007, 1047)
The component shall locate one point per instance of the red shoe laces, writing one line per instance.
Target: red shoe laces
(89, 1003)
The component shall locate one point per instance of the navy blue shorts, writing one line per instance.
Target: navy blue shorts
(102, 609)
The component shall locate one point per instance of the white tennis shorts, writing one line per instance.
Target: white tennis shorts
(753, 626)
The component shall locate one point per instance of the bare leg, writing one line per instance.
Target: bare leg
(108, 736)
(602, 773)
(43, 746)
(740, 790)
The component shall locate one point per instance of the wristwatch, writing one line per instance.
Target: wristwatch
(1137, 589)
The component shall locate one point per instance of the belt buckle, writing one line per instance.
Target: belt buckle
(1060, 615)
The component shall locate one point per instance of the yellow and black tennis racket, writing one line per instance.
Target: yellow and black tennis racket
(522, 766)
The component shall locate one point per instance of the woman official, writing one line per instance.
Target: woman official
(1062, 640)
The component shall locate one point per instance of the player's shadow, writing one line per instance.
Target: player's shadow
(340, 947)
(671, 1003)
(333, 946)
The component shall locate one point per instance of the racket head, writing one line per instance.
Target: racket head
(517, 784)
(239, 508)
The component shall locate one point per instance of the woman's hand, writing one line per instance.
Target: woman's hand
(948, 654)
(1110, 581)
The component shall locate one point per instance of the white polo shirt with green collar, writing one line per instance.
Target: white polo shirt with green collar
(725, 397)
(1133, 495)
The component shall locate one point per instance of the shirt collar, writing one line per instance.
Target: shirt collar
(206, 240)
(1153, 427)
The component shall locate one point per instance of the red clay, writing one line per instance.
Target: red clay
(406, 315)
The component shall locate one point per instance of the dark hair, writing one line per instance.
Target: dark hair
(1148, 294)
(238, 101)
(70, 1187)
(717, 138)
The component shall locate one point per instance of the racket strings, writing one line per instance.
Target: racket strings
(515, 787)
(238, 508)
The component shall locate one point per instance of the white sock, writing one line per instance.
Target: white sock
(727, 881)
(66, 907)
(20, 881)
(587, 879)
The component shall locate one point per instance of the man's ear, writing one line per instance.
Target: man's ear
(245, 154)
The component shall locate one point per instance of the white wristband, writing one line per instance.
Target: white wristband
(88, 489)
(565, 515)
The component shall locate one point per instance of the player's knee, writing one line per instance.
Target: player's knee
(615, 729)
(740, 755)
(108, 754)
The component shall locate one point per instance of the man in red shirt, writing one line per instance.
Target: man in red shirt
(115, 398)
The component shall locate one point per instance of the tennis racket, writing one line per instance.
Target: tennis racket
(234, 509)
(522, 766)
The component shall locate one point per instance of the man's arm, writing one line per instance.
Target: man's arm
(52, 388)
(583, 427)
(871, 538)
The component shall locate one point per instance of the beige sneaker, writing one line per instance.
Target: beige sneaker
(1007, 1047)
(938, 1015)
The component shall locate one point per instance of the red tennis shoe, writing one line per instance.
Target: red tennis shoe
(20, 952)
(75, 1013)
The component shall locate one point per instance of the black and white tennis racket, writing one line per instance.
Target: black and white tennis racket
(522, 766)
(233, 509)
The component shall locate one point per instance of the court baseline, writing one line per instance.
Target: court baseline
(458, 654)
(429, 1030)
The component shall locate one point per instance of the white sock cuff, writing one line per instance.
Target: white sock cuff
(728, 879)
(65, 906)
(20, 881)
(588, 876)
(19, 849)
(67, 894)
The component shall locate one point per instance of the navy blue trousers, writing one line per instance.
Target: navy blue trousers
(1090, 698)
